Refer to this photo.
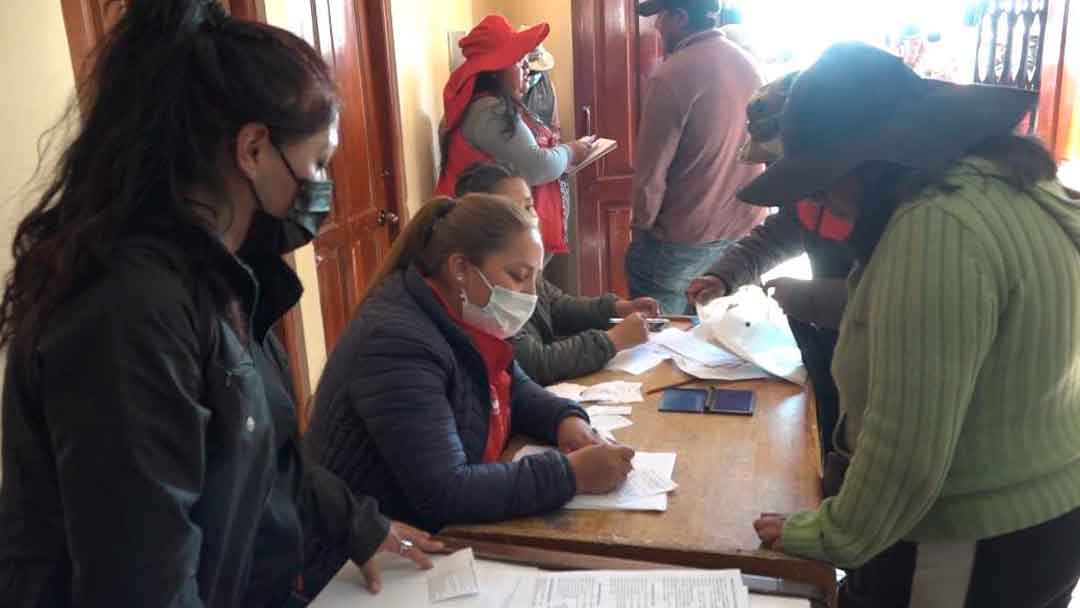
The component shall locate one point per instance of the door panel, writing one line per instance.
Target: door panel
(610, 64)
(357, 236)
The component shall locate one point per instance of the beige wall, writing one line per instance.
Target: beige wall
(423, 66)
(36, 64)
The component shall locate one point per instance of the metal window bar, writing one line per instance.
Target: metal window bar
(1005, 28)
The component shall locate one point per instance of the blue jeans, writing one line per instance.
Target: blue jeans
(663, 270)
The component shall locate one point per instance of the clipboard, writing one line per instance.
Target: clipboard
(600, 149)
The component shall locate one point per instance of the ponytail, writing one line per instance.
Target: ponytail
(475, 225)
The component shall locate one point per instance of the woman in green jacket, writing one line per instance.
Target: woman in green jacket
(958, 362)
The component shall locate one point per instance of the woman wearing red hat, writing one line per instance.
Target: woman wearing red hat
(485, 120)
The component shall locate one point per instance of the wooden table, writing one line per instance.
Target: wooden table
(729, 470)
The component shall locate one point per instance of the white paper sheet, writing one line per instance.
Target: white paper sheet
(453, 577)
(640, 492)
(609, 410)
(743, 370)
(404, 584)
(615, 391)
(567, 390)
(639, 359)
(502, 585)
(692, 346)
(607, 422)
(652, 588)
(626, 497)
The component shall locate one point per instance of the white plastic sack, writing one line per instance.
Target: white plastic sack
(750, 324)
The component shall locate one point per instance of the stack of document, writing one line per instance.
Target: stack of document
(652, 588)
(645, 489)
(505, 585)
(692, 351)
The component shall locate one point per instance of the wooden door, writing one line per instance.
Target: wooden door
(87, 22)
(354, 37)
(1059, 96)
(613, 56)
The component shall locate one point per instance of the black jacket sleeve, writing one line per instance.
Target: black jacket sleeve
(565, 358)
(332, 514)
(777, 239)
(404, 402)
(573, 314)
(120, 388)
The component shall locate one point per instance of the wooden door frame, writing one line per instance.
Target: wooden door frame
(377, 14)
(596, 245)
(1058, 96)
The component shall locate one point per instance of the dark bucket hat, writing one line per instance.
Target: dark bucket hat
(858, 103)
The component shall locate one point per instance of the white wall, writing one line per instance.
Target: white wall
(423, 66)
(35, 65)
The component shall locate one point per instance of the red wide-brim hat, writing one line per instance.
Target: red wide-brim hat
(491, 46)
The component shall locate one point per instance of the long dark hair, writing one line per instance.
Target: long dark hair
(488, 84)
(476, 225)
(1023, 162)
(172, 83)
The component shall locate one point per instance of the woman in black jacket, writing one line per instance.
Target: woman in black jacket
(567, 336)
(421, 393)
(150, 453)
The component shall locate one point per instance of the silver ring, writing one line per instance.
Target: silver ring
(404, 546)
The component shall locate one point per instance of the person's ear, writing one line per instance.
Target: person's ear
(457, 265)
(250, 148)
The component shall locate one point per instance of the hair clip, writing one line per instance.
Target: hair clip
(213, 15)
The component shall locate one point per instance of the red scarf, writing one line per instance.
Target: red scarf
(497, 354)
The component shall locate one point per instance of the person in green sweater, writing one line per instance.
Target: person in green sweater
(958, 361)
(565, 337)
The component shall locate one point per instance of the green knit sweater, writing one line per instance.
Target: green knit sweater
(958, 366)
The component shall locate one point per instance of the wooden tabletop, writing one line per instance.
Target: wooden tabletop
(729, 470)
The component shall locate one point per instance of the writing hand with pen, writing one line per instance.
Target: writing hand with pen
(599, 466)
(633, 329)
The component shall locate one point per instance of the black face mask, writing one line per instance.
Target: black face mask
(311, 206)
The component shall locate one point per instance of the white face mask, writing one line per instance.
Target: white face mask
(507, 311)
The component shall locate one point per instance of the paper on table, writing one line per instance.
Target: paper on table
(502, 585)
(403, 584)
(615, 391)
(645, 489)
(744, 370)
(653, 588)
(626, 497)
(639, 359)
(609, 410)
(453, 577)
(567, 390)
(693, 347)
(609, 423)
